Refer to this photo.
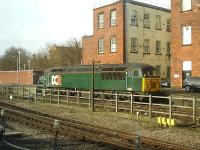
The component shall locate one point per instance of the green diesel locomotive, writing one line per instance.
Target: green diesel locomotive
(138, 78)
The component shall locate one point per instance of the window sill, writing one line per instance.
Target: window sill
(101, 28)
(146, 52)
(133, 51)
(158, 29)
(113, 25)
(113, 52)
(168, 30)
(185, 11)
(100, 53)
(147, 27)
(186, 45)
(158, 54)
(136, 25)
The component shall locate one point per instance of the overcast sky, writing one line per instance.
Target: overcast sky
(33, 23)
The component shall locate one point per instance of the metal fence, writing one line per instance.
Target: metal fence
(151, 106)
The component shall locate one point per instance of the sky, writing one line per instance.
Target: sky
(32, 24)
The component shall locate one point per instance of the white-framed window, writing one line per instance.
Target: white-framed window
(146, 21)
(146, 45)
(101, 20)
(158, 22)
(134, 20)
(113, 44)
(134, 45)
(187, 35)
(186, 5)
(187, 65)
(101, 46)
(158, 47)
(113, 18)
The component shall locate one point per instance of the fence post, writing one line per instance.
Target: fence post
(58, 96)
(194, 110)
(43, 95)
(78, 98)
(116, 102)
(89, 99)
(35, 94)
(29, 93)
(17, 92)
(67, 97)
(131, 103)
(2, 90)
(22, 92)
(50, 95)
(150, 106)
(170, 110)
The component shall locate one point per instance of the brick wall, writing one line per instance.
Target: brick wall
(90, 50)
(182, 53)
(10, 77)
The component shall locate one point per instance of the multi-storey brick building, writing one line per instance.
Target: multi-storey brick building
(185, 40)
(129, 31)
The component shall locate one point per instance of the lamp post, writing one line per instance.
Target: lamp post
(29, 64)
(92, 90)
(17, 71)
(19, 52)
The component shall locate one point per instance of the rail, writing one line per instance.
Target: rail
(81, 130)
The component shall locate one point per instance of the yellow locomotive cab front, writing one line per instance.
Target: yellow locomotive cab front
(150, 85)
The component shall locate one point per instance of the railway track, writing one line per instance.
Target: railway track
(68, 127)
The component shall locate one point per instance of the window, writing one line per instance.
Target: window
(113, 75)
(113, 44)
(158, 47)
(187, 65)
(186, 5)
(158, 22)
(146, 45)
(113, 18)
(101, 20)
(101, 46)
(168, 25)
(168, 48)
(136, 73)
(134, 21)
(158, 70)
(146, 21)
(187, 35)
(168, 71)
(134, 45)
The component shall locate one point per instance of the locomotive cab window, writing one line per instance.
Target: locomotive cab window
(136, 73)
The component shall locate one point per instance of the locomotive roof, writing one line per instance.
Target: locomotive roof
(103, 67)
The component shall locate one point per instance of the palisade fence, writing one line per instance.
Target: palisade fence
(171, 107)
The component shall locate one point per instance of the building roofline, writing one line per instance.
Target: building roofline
(136, 3)
(146, 5)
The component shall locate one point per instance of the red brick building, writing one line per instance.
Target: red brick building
(102, 33)
(185, 42)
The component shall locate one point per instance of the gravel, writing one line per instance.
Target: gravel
(124, 122)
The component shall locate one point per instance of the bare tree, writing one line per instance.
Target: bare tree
(9, 60)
